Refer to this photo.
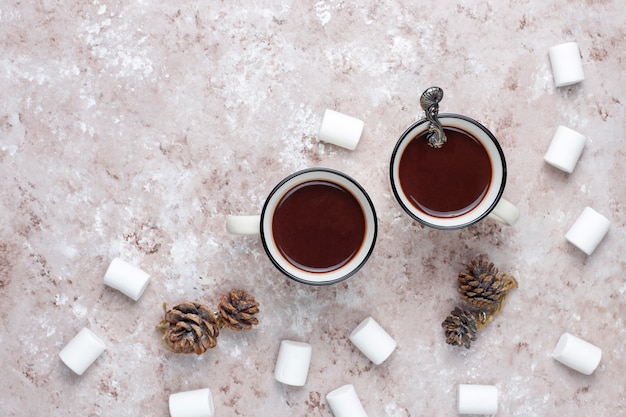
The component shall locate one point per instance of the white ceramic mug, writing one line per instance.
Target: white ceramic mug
(486, 203)
(318, 226)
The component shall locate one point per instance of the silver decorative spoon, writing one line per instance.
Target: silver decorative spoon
(430, 104)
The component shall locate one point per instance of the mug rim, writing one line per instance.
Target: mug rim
(369, 239)
(396, 187)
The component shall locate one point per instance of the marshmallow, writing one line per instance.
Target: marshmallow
(565, 149)
(340, 129)
(477, 399)
(588, 230)
(243, 225)
(577, 353)
(196, 403)
(373, 341)
(126, 278)
(344, 402)
(292, 365)
(567, 67)
(82, 351)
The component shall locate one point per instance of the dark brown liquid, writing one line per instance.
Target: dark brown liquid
(445, 182)
(318, 226)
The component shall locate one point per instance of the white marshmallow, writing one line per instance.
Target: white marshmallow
(477, 399)
(373, 341)
(567, 67)
(577, 353)
(588, 230)
(126, 278)
(292, 365)
(82, 351)
(344, 402)
(196, 403)
(243, 225)
(565, 149)
(340, 129)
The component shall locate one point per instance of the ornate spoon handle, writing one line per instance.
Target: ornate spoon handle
(430, 104)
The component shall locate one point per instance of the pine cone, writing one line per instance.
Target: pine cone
(190, 327)
(460, 327)
(237, 310)
(482, 287)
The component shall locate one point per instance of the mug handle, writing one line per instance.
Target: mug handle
(243, 225)
(505, 212)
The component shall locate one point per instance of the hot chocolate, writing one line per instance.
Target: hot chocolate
(318, 226)
(448, 181)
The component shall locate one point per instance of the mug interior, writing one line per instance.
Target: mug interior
(495, 188)
(348, 184)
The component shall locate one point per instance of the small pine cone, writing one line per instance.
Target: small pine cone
(460, 328)
(190, 327)
(237, 309)
(482, 287)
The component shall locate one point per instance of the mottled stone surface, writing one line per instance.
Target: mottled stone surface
(133, 128)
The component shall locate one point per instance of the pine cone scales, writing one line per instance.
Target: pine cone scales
(460, 328)
(484, 291)
(237, 310)
(482, 287)
(190, 327)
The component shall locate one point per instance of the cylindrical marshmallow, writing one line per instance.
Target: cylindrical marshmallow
(243, 225)
(567, 67)
(588, 230)
(292, 365)
(340, 129)
(577, 353)
(196, 403)
(565, 149)
(373, 341)
(477, 399)
(344, 402)
(126, 278)
(82, 351)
